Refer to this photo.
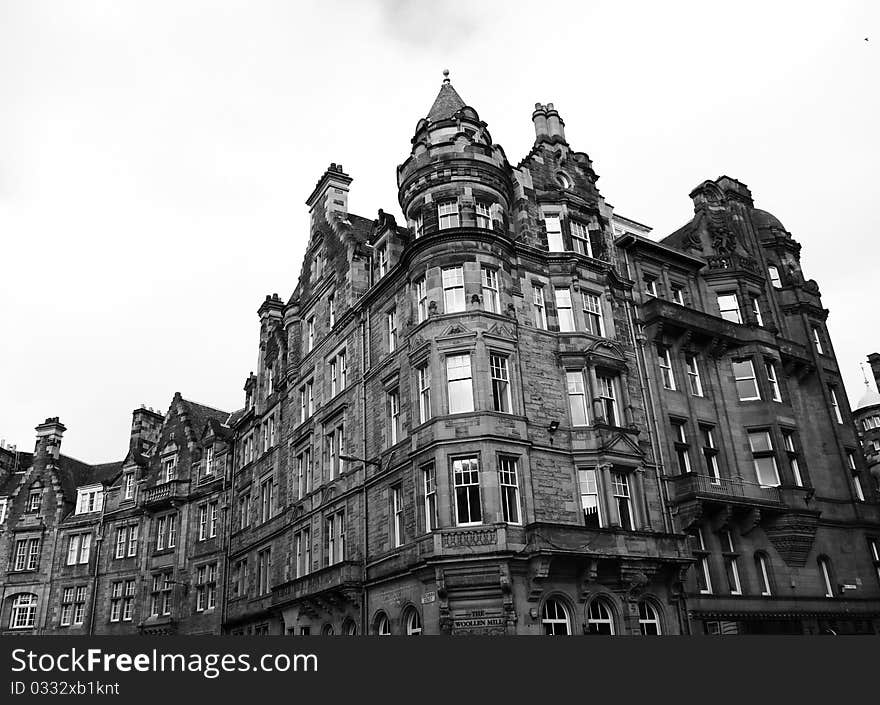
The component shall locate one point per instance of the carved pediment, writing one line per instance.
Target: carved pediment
(621, 444)
(500, 330)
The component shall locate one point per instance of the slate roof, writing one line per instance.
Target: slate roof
(446, 104)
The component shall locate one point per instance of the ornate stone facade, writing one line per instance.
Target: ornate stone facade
(510, 413)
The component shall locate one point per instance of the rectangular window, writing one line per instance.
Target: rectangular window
(834, 404)
(650, 284)
(160, 595)
(704, 579)
(466, 480)
(746, 381)
(382, 260)
(763, 458)
(817, 340)
(264, 567)
(420, 225)
(553, 224)
(331, 311)
(66, 606)
(580, 239)
(773, 272)
(540, 308)
(577, 397)
(564, 312)
(664, 360)
(728, 305)
(677, 294)
(459, 384)
(310, 334)
(128, 485)
(397, 516)
(330, 539)
(682, 447)
(763, 574)
(508, 481)
(267, 488)
(589, 491)
(115, 602)
(132, 540)
(392, 330)
(206, 587)
(608, 399)
(857, 481)
(484, 215)
(500, 375)
(244, 504)
(826, 577)
(695, 384)
(447, 214)
(453, 289)
(34, 500)
(393, 417)
(788, 442)
(710, 453)
(307, 551)
(731, 566)
(423, 379)
(593, 314)
(121, 541)
(491, 300)
(756, 310)
(89, 501)
(79, 548)
(298, 571)
(772, 380)
(203, 522)
(335, 445)
(421, 294)
(429, 482)
(27, 553)
(620, 488)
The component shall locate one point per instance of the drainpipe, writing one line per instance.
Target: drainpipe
(99, 541)
(366, 364)
(225, 535)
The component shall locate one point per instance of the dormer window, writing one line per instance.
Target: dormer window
(447, 214)
(484, 215)
(209, 460)
(128, 485)
(89, 499)
(553, 225)
(34, 500)
(382, 260)
(169, 468)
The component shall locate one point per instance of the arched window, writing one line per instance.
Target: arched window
(649, 620)
(413, 622)
(24, 611)
(327, 630)
(349, 627)
(554, 617)
(383, 626)
(762, 568)
(600, 617)
(563, 180)
(825, 570)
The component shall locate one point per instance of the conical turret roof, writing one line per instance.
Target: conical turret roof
(447, 103)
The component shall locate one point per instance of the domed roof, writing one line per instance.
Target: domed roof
(763, 219)
(870, 398)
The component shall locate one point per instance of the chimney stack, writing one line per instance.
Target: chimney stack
(330, 193)
(49, 435)
(539, 117)
(555, 126)
(145, 425)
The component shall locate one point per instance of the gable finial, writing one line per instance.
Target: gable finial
(446, 76)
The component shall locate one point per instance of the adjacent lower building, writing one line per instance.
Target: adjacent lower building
(513, 412)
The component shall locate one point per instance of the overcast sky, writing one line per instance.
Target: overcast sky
(155, 158)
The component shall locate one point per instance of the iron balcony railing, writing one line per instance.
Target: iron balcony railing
(722, 487)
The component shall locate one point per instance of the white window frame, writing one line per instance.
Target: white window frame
(556, 619)
(466, 486)
(491, 297)
(540, 307)
(773, 273)
(483, 214)
(773, 381)
(664, 361)
(588, 487)
(580, 238)
(593, 318)
(459, 375)
(576, 389)
(429, 485)
(397, 527)
(826, 576)
(835, 404)
(421, 294)
(499, 374)
(452, 279)
(728, 313)
(564, 309)
(695, 383)
(391, 318)
(553, 226)
(761, 454)
(448, 215)
(753, 377)
(508, 483)
(763, 574)
(423, 382)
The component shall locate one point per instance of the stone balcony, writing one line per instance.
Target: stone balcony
(471, 540)
(166, 493)
(726, 489)
(324, 588)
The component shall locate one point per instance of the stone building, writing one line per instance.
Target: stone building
(509, 413)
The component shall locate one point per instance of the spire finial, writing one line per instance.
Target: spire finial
(865, 375)
(446, 76)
